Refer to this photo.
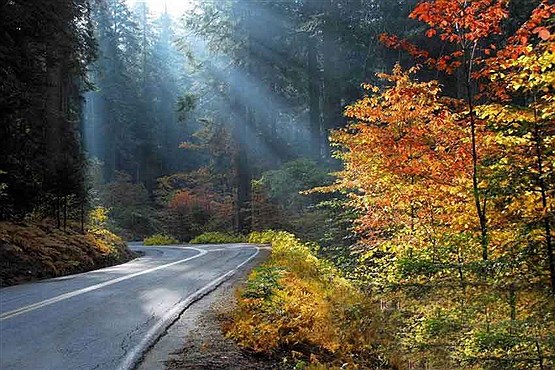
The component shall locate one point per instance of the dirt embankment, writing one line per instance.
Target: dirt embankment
(31, 251)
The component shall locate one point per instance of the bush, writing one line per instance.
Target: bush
(298, 303)
(160, 239)
(263, 237)
(263, 282)
(216, 237)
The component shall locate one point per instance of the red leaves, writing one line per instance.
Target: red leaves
(460, 21)
(431, 32)
(394, 42)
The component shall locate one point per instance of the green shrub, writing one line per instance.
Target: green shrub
(160, 239)
(217, 237)
(262, 283)
(263, 237)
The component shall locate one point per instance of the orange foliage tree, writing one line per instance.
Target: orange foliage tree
(405, 157)
(454, 197)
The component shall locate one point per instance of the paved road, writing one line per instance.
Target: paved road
(104, 319)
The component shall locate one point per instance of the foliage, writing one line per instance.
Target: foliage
(280, 201)
(160, 239)
(193, 203)
(285, 184)
(299, 306)
(263, 283)
(453, 201)
(98, 218)
(32, 251)
(131, 212)
(216, 237)
(263, 237)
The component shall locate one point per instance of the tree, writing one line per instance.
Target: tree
(44, 57)
(526, 133)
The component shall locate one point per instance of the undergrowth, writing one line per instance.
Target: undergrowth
(216, 237)
(30, 251)
(300, 309)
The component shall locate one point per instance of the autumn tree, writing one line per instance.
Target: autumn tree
(463, 301)
(524, 120)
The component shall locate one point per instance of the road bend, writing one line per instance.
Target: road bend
(107, 318)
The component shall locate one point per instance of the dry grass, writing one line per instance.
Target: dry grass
(30, 251)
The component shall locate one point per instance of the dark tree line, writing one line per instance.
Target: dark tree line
(46, 46)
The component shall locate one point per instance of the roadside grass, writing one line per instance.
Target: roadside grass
(160, 239)
(299, 309)
(31, 251)
(217, 237)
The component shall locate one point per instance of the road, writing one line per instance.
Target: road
(105, 319)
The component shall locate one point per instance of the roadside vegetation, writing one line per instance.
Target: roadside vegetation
(299, 309)
(39, 250)
(160, 239)
(216, 237)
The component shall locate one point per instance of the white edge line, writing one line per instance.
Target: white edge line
(62, 297)
(135, 355)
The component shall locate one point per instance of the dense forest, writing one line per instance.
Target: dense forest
(410, 144)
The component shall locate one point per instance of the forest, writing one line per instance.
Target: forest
(398, 154)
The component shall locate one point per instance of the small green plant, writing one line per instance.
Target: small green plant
(217, 237)
(160, 239)
(262, 282)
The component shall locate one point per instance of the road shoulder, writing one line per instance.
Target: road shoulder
(196, 341)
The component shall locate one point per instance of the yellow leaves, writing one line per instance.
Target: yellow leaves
(311, 307)
(533, 71)
(98, 217)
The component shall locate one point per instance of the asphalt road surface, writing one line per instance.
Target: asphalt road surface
(106, 319)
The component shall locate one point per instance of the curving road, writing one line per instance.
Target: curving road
(106, 319)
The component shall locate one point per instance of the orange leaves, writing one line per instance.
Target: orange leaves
(402, 153)
(543, 33)
(537, 25)
(187, 200)
(396, 43)
(460, 21)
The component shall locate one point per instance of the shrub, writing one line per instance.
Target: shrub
(217, 237)
(160, 239)
(263, 282)
(262, 237)
(298, 303)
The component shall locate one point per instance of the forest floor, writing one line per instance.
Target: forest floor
(198, 340)
(33, 251)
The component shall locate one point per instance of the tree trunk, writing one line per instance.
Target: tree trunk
(543, 189)
(314, 85)
(332, 115)
(480, 207)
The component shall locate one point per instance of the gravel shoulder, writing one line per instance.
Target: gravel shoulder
(196, 341)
